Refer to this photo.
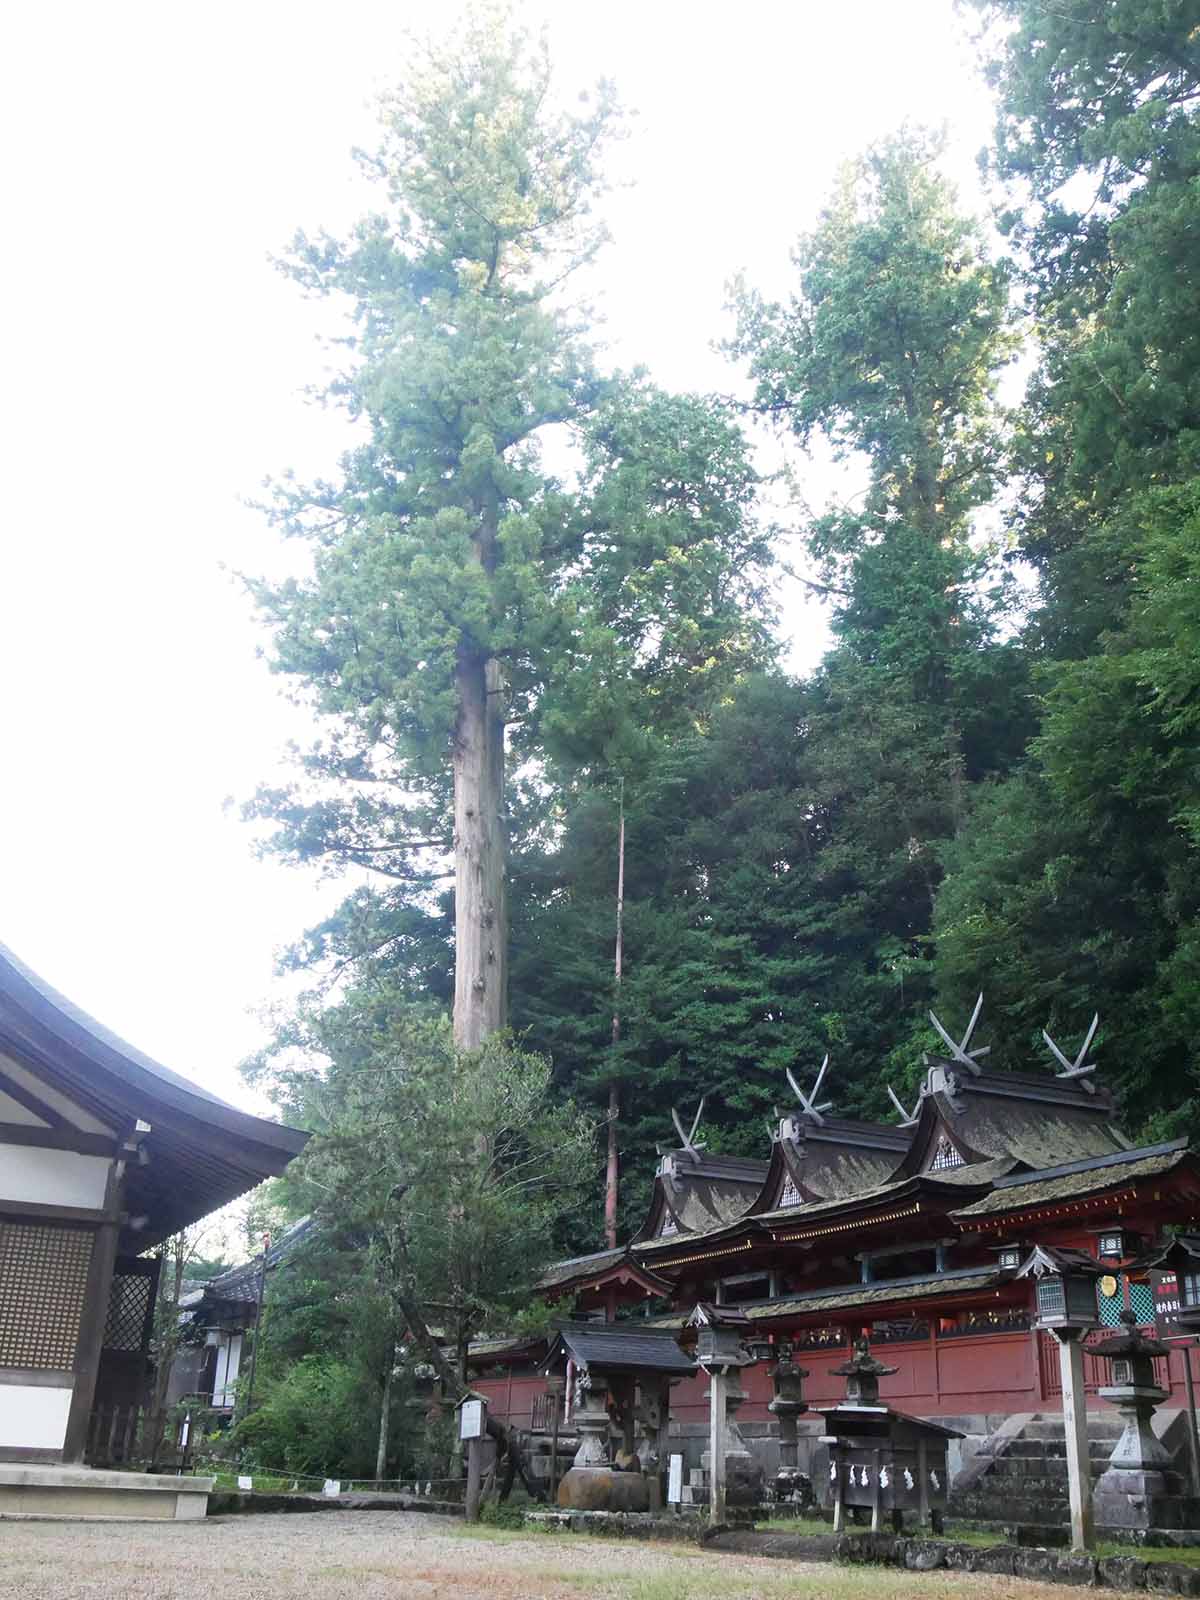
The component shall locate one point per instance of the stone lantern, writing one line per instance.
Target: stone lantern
(789, 1405)
(1065, 1289)
(734, 1477)
(1138, 1489)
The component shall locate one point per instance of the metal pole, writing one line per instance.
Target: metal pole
(1079, 1470)
(258, 1305)
(613, 1158)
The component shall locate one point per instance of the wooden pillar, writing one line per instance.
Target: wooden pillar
(1079, 1472)
(839, 1503)
(95, 1314)
(717, 1382)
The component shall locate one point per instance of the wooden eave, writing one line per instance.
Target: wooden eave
(622, 1273)
(920, 1195)
(201, 1152)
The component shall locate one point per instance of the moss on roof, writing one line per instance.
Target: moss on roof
(853, 1296)
(1069, 1185)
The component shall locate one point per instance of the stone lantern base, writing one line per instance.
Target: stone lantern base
(1139, 1489)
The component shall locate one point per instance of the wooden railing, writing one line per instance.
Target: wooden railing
(542, 1417)
(114, 1435)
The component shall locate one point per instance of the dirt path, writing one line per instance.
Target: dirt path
(380, 1555)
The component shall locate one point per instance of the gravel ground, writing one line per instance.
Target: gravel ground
(370, 1555)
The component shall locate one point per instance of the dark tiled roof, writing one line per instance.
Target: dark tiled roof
(1089, 1178)
(240, 1283)
(615, 1345)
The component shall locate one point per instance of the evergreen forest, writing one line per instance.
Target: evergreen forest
(542, 638)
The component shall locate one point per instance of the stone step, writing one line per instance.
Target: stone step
(1050, 1428)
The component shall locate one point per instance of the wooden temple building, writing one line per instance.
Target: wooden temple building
(104, 1153)
(908, 1232)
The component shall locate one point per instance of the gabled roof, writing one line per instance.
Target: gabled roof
(620, 1347)
(595, 1271)
(239, 1285)
(1034, 1119)
(201, 1152)
(831, 1157)
(699, 1193)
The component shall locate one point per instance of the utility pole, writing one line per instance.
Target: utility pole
(612, 1168)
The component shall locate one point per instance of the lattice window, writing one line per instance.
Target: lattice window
(43, 1278)
(789, 1195)
(1141, 1302)
(128, 1308)
(945, 1156)
(669, 1226)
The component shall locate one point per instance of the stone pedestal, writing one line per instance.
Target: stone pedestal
(789, 1405)
(1138, 1489)
(743, 1475)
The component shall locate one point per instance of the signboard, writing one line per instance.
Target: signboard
(471, 1423)
(1166, 1305)
(674, 1480)
(333, 1488)
(245, 1483)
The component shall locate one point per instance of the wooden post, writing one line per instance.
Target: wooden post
(876, 1492)
(839, 1503)
(1193, 1433)
(923, 1481)
(554, 1449)
(472, 1429)
(716, 1447)
(1079, 1469)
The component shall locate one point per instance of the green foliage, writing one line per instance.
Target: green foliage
(1075, 885)
(450, 1168)
(320, 1417)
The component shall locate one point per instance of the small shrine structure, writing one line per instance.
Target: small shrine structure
(617, 1385)
(880, 1459)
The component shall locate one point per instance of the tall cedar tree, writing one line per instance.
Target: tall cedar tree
(458, 588)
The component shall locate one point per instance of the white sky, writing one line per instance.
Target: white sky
(157, 153)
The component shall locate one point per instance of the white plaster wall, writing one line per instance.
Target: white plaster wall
(52, 1177)
(33, 1417)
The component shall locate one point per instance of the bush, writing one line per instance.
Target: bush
(321, 1417)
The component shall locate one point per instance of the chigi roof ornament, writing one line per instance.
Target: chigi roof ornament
(1080, 1067)
(962, 1053)
(809, 1101)
(908, 1119)
(688, 1140)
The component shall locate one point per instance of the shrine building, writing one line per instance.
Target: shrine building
(103, 1155)
(909, 1232)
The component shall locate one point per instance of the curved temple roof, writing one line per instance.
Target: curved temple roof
(200, 1152)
